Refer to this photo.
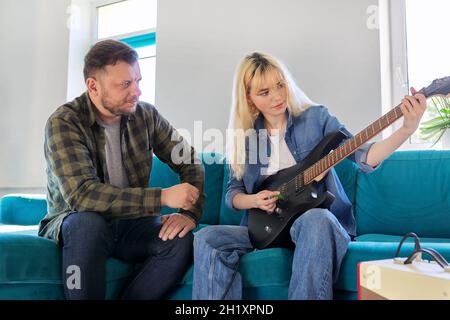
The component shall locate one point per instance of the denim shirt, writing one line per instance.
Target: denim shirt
(303, 133)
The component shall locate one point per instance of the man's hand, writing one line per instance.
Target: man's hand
(182, 196)
(174, 224)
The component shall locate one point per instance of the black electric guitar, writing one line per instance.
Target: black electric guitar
(298, 185)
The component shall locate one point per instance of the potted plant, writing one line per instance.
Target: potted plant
(436, 127)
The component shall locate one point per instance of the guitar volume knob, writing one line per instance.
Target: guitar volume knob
(267, 229)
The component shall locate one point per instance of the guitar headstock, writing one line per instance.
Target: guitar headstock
(439, 87)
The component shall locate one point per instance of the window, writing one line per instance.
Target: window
(419, 50)
(427, 26)
(133, 22)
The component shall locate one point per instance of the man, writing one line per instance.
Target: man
(98, 150)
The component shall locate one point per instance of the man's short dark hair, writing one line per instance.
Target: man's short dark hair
(107, 52)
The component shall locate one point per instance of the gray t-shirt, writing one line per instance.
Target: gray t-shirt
(113, 155)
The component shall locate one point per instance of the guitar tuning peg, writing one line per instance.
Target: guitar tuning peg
(438, 87)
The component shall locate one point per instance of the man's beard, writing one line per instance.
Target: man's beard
(115, 109)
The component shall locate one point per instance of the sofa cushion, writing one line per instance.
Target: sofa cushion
(22, 209)
(32, 267)
(359, 251)
(51, 291)
(410, 192)
(29, 259)
(265, 273)
(163, 176)
(267, 267)
(270, 268)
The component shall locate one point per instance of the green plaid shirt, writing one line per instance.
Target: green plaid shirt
(77, 178)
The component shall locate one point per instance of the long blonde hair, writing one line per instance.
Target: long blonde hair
(256, 67)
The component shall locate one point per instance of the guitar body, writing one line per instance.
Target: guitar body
(272, 230)
(298, 187)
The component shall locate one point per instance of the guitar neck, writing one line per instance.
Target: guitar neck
(351, 145)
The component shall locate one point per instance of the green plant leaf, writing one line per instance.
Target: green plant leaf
(445, 110)
(437, 120)
(438, 110)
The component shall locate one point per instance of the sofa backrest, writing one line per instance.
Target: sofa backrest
(228, 216)
(410, 192)
(216, 178)
(163, 176)
(29, 209)
(347, 172)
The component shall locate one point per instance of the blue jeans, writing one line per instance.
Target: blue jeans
(88, 239)
(320, 246)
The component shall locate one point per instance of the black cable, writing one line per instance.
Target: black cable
(417, 250)
(432, 253)
(409, 235)
(235, 271)
(438, 256)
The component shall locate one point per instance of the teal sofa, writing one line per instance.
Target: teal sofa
(410, 192)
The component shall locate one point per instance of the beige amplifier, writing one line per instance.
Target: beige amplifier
(393, 279)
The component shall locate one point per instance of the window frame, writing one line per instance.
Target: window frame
(100, 3)
(135, 39)
(394, 61)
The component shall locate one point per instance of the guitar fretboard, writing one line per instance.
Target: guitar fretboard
(350, 145)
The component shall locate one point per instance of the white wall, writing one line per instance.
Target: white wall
(326, 43)
(33, 64)
(81, 39)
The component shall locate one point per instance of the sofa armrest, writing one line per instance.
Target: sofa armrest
(22, 209)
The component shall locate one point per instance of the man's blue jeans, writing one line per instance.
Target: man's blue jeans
(320, 246)
(88, 240)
